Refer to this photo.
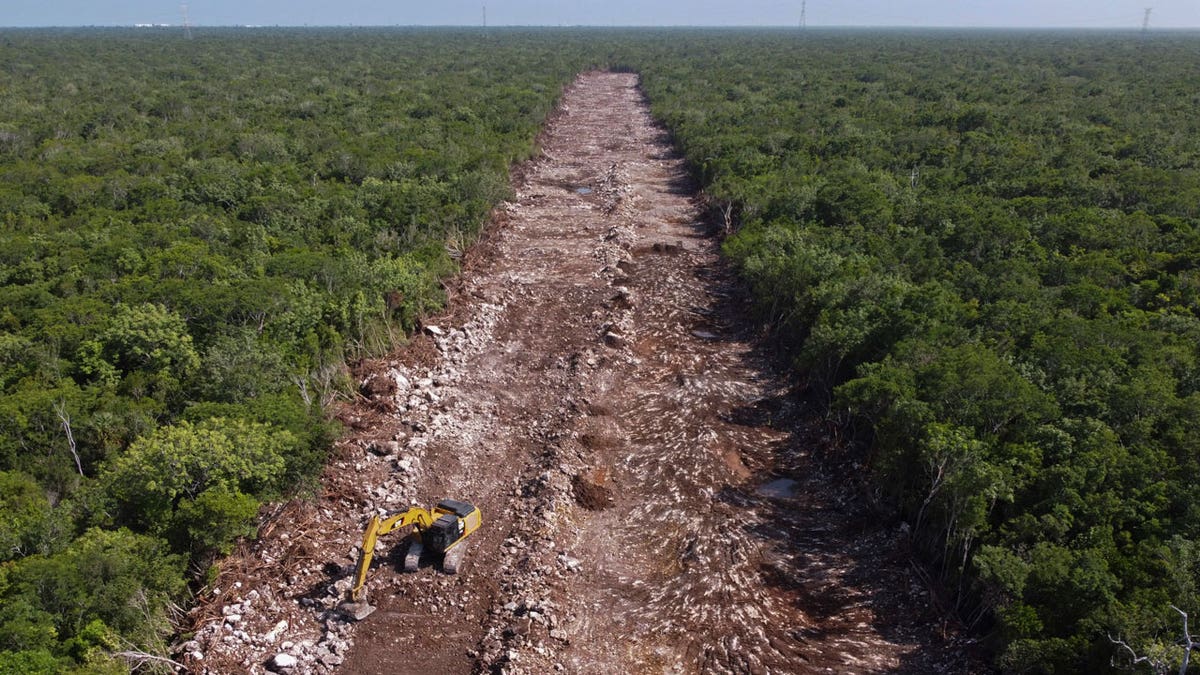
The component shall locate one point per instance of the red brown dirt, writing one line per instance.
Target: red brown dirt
(598, 391)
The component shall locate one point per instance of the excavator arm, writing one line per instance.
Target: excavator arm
(377, 527)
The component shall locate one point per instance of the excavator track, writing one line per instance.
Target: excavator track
(453, 559)
(412, 558)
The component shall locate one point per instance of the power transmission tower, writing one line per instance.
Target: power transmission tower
(803, 14)
(187, 25)
(485, 15)
(1146, 19)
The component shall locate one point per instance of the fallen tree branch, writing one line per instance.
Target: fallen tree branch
(138, 657)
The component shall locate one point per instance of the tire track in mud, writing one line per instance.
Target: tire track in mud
(651, 501)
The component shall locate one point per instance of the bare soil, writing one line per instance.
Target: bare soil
(657, 496)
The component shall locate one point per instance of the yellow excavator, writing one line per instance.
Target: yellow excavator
(440, 531)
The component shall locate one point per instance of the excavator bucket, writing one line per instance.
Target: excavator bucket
(356, 610)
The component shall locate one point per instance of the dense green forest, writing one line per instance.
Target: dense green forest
(982, 252)
(979, 250)
(195, 236)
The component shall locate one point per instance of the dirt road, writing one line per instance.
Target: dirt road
(651, 499)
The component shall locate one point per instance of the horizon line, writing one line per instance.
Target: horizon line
(166, 26)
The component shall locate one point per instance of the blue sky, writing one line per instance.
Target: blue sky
(997, 13)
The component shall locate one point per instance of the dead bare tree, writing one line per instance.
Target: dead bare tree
(1159, 660)
(1156, 664)
(1188, 643)
(60, 409)
(301, 383)
(320, 383)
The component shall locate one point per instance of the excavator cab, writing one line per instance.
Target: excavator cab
(443, 533)
(454, 521)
